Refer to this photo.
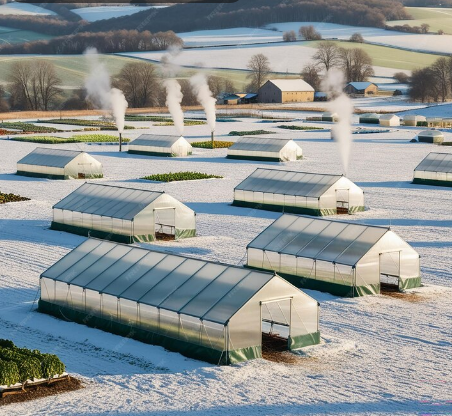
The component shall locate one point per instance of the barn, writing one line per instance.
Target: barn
(339, 257)
(299, 192)
(430, 136)
(413, 120)
(369, 118)
(389, 120)
(49, 163)
(361, 88)
(435, 169)
(265, 149)
(204, 310)
(285, 91)
(125, 215)
(160, 145)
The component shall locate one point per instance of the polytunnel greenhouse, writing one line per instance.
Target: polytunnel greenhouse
(265, 149)
(49, 163)
(342, 258)
(370, 118)
(299, 192)
(431, 136)
(160, 145)
(204, 310)
(125, 215)
(435, 169)
(414, 120)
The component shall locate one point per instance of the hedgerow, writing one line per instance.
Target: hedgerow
(249, 133)
(208, 145)
(180, 176)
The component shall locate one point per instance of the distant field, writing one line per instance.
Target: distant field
(437, 18)
(24, 9)
(10, 35)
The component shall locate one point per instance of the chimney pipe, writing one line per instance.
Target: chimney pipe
(213, 137)
(120, 142)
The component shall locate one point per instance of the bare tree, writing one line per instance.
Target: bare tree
(357, 38)
(356, 64)
(422, 85)
(229, 86)
(310, 74)
(425, 28)
(4, 106)
(47, 83)
(289, 36)
(402, 77)
(309, 33)
(327, 55)
(440, 70)
(189, 97)
(259, 65)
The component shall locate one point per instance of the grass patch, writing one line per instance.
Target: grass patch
(27, 128)
(186, 123)
(437, 18)
(249, 133)
(216, 145)
(180, 176)
(299, 128)
(83, 138)
(5, 198)
(105, 125)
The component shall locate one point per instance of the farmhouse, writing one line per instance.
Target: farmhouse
(435, 169)
(266, 149)
(389, 120)
(361, 88)
(286, 91)
(159, 145)
(413, 120)
(49, 163)
(204, 310)
(369, 118)
(342, 258)
(430, 136)
(122, 214)
(299, 192)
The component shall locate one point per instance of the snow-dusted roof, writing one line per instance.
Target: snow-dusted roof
(263, 144)
(291, 85)
(436, 162)
(287, 182)
(369, 115)
(43, 156)
(206, 290)
(414, 117)
(388, 116)
(321, 239)
(431, 133)
(108, 201)
(360, 85)
(154, 140)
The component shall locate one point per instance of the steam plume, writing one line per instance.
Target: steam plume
(204, 96)
(173, 101)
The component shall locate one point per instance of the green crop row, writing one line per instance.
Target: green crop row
(292, 127)
(186, 123)
(83, 138)
(249, 133)
(180, 176)
(216, 145)
(17, 365)
(105, 125)
(5, 198)
(27, 127)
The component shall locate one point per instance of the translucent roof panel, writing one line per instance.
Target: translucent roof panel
(286, 182)
(320, 239)
(259, 144)
(56, 158)
(108, 201)
(193, 287)
(436, 162)
(154, 140)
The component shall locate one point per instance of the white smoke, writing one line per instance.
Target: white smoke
(204, 96)
(173, 101)
(341, 104)
(100, 92)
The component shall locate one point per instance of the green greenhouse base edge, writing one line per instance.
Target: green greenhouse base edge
(256, 158)
(369, 121)
(187, 349)
(301, 341)
(432, 182)
(410, 283)
(139, 152)
(58, 177)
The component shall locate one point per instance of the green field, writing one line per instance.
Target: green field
(390, 57)
(9, 35)
(437, 18)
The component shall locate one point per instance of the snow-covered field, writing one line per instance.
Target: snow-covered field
(381, 355)
(93, 14)
(24, 9)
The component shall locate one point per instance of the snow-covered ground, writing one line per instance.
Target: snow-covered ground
(93, 14)
(24, 9)
(380, 356)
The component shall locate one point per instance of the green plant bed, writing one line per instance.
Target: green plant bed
(446, 144)
(5, 198)
(216, 145)
(28, 127)
(299, 127)
(131, 117)
(249, 133)
(180, 176)
(83, 138)
(105, 125)
(186, 123)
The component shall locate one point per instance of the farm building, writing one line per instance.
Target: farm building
(285, 91)
(430, 136)
(435, 169)
(343, 258)
(299, 192)
(159, 145)
(389, 120)
(233, 99)
(266, 149)
(204, 310)
(361, 88)
(413, 120)
(59, 164)
(122, 214)
(369, 118)
(329, 116)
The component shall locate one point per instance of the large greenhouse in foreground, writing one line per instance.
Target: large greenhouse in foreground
(343, 258)
(435, 169)
(204, 310)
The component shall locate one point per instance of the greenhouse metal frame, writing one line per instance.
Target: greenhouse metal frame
(125, 215)
(339, 257)
(435, 169)
(265, 149)
(204, 310)
(160, 145)
(299, 193)
(49, 163)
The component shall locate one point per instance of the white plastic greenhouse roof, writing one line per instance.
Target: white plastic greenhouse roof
(108, 201)
(431, 133)
(43, 156)
(320, 239)
(288, 182)
(436, 162)
(206, 290)
(263, 144)
(155, 140)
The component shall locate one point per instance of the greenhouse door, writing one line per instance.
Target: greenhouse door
(390, 270)
(275, 327)
(83, 169)
(342, 201)
(165, 223)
